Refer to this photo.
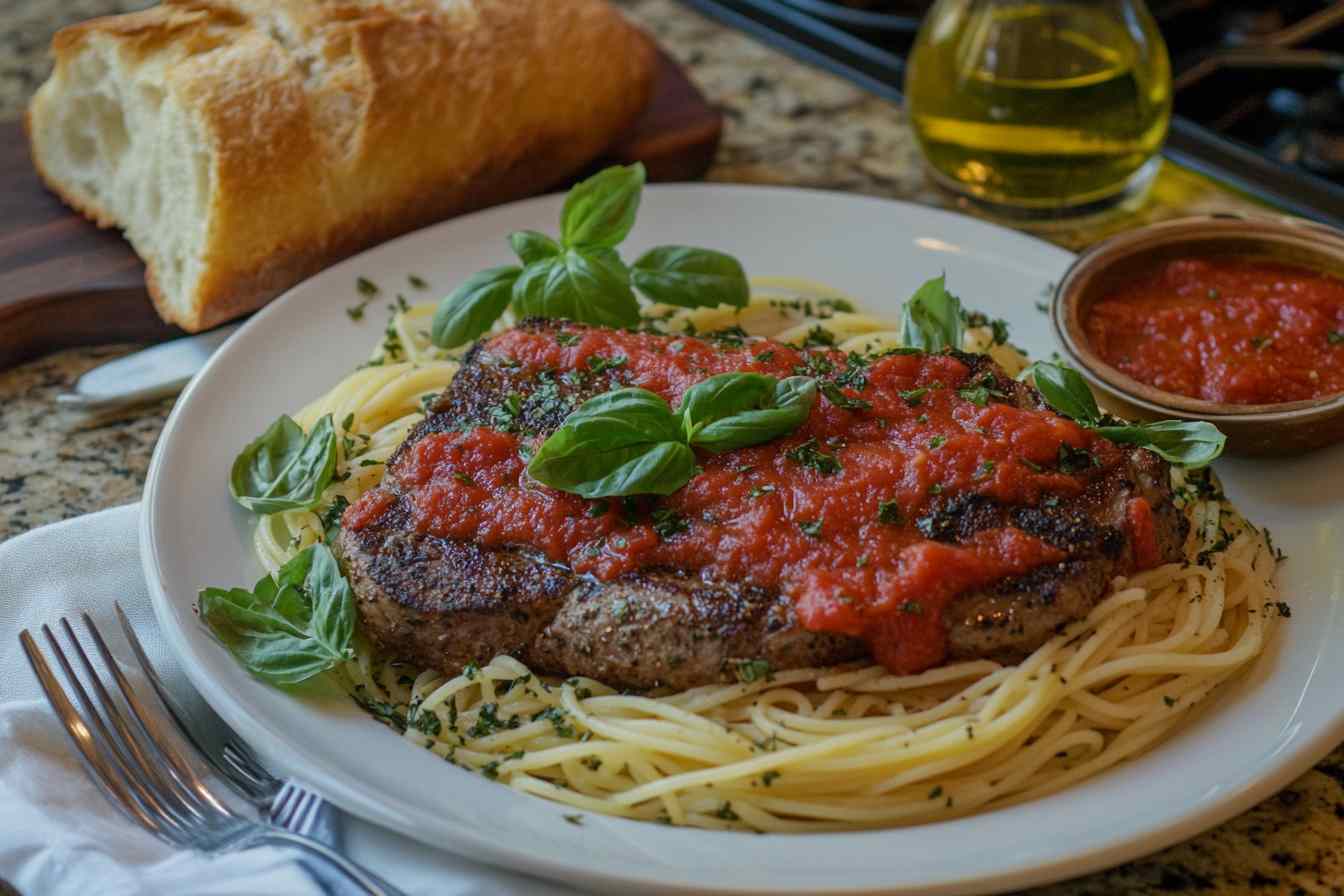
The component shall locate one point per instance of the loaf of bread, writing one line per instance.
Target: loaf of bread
(243, 145)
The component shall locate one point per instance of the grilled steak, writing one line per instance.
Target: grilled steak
(444, 602)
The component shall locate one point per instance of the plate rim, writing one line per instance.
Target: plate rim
(1115, 848)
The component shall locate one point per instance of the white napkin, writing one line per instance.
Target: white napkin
(58, 833)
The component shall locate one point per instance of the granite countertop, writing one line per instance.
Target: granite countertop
(786, 124)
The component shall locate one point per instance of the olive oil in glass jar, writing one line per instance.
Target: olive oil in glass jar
(1040, 109)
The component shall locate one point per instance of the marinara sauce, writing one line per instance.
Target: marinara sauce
(830, 515)
(1226, 330)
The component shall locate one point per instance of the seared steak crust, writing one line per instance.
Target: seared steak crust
(443, 603)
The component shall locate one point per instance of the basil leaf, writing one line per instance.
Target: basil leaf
(290, 627)
(931, 319)
(588, 286)
(738, 415)
(723, 396)
(691, 278)
(1065, 390)
(624, 442)
(473, 307)
(600, 211)
(1189, 443)
(333, 603)
(530, 245)
(283, 469)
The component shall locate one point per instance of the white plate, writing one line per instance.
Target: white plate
(1261, 733)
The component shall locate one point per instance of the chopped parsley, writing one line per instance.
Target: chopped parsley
(809, 455)
(818, 337)
(488, 722)
(416, 281)
(557, 716)
(769, 777)
(331, 517)
(567, 338)
(913, 397)
(749, 671)
(599, 364)
(889, 511)
(811, 528)
(667, 522)
(387, 713)
(912, 608)
(367, 288)
(726, 812)
(936, 792)
(1075, 460)
(760, 490)
(985, 469)
(997, 326)
(936, 489)
(838, 398)
(576, 819)
(937, 442)
(427, 723)
(506, 415)
(1214, 294)
(976, 395)
(1335, 337)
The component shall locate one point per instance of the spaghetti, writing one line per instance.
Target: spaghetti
(808, 749)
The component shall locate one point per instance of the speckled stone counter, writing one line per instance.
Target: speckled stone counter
(786, 124)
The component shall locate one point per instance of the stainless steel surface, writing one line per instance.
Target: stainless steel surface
(155, 372)
(237, 765)
(141, 770)
(231, 759)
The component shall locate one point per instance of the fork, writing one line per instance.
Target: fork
(132, 760)
(238, 766)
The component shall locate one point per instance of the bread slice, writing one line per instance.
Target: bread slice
(242, 145)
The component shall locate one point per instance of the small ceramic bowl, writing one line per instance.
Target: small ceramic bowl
(1261, 429)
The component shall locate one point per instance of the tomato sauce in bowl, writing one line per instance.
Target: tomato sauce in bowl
(1226, 329)
(1237, 319)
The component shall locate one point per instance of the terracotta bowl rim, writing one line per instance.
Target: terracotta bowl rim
(1193, 229)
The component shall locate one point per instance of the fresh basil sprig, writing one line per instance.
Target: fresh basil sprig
(581, 276)
(625, 442)
(735, 410)
(630, 441)
(290, 626)
(932, 318)
(1187, 443)
(283, 469)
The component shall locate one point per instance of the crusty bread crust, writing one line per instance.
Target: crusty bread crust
(333, 126)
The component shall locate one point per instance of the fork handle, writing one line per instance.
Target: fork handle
(372, 885)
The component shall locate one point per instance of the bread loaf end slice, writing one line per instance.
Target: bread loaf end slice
(242, 145)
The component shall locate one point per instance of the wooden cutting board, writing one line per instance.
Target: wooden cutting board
(64, 282)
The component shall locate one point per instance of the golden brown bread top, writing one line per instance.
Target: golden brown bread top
(331, 126)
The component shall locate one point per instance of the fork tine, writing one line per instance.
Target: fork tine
(188, 782)
(105, 774)
(114, 747)
(245, 770)
(303, 815)
(253, 784)
(282, 810)
(132, 746)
